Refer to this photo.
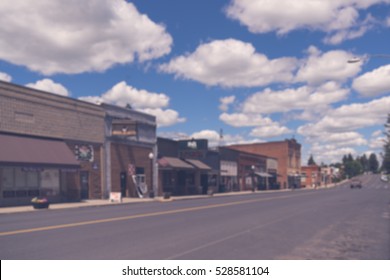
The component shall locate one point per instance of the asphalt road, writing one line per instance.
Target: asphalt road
(334, 223)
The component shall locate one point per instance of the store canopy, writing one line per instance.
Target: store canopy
(174, 163)
(263, 174)
(33, 151)
(198, 164)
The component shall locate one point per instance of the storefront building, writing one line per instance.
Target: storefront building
(69, 150)
(288, 155)
(130, 152)
(49, 146)
(181, 170)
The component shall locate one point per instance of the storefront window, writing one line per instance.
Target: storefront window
(32, 179)
(20, 178)
(50, 181)
(7, 178)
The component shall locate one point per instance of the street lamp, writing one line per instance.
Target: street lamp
(359, 59)
(253, 178)
(151, 191)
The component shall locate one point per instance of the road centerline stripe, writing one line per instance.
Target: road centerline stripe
(144, 215)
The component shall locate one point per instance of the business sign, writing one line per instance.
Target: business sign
(84, 152)
(124, 128)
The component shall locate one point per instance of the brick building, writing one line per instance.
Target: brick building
(311, 176)
(288, 155)
(64, 148)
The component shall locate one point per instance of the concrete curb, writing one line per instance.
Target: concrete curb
(106, 202)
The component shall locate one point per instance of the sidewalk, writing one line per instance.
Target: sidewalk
(126, 200)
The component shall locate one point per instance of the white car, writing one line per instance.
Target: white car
(384, 178)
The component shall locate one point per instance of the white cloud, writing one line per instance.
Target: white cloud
(5, 77)
(330, 66)
(264, 126)
(270, 131)
(241, 119)
(214, 138)
(337, 18)
(49, 86)
(373, 83)
(350, 117)
(164, 117)
(230, 63)
(139, 99)
(225, 102)
(305, 97)
(77, 36)
(341, 139)
(329, 153)
(122, 94)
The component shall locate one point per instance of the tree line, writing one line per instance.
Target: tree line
(361, 164)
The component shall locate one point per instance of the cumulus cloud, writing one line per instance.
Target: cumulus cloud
(142, 100)
(269, 131)
(374, 83)
(339, 19)
(241, 119)
(349, 117)
(5, 77)
(377, 140)
(215, 139)
(230, 63)
(330, 66)
(305, 97)
(329, 153)
(49, 86)
(264, 127)
(78, 36)
(164, 117)
(225, 102)
(122, 94)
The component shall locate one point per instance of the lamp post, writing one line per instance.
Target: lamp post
(359, 59)
(253, 178)
(151, 191)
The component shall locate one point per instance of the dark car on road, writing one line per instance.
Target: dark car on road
(356, 184)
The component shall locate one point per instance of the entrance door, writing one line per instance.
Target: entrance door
(84, 184)
(123, 184)
(204, 182)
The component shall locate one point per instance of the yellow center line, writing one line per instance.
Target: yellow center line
(109, 220)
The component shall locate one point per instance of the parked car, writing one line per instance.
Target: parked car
(356, 184)
(384, 178)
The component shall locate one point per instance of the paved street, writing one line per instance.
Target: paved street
(334, 223)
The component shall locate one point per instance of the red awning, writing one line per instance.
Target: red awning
(16, 150)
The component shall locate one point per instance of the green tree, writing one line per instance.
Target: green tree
(352, 168)
(386, 147)
(311, 161)
(373, 163)
(364, 162)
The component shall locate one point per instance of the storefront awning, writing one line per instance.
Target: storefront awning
(198, 164)
(16, 150)
(174, 163)
(263, 174)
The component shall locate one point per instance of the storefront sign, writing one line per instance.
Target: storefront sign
(84, 152)
(124, 128)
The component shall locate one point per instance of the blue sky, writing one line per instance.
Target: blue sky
(257, 70)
